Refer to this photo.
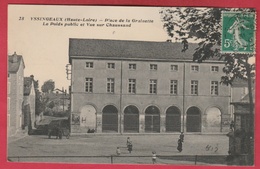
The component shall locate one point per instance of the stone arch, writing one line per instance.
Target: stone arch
(173, 119)
(131, 119)
(88, 116)
(152, 119)
(110, 119)
(212, 119)
(193, 119)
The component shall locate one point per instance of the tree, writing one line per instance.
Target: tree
(48, 86)
(203, 25)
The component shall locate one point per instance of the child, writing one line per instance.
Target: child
(118, 152)
(154, 157)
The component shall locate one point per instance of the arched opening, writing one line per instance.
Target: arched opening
(88, 117)
(193, 122)
(173, 119)
(110, 119)
(152, 119)
(213, 120)
(131, 119)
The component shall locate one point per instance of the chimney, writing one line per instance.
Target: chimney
(15, 58)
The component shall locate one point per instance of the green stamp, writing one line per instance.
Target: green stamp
(238, 32)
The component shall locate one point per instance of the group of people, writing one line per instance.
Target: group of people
(129, 146)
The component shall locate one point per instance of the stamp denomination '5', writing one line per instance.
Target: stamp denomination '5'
(238, 32)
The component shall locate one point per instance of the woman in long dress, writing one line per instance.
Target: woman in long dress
(235, 30)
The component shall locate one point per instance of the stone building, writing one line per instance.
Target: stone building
(15, 93)
(145, 87)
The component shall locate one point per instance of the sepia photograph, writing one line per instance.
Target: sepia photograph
(131, 85)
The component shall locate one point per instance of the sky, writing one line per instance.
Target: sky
(45, 47)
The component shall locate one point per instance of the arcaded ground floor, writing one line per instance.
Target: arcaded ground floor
(151, 120)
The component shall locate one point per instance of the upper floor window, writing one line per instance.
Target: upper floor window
(194, 87)
(174, 68)
(89, 64)
(131, 85)
(132, 66)
(8, 75)
(194, 68)
(153, 86)
(214, 68)
(214, 88)
(111, 65)
(153, 66)
(89, 85)
(110, 85)
(173, 86)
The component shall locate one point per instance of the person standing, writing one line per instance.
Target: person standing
(130, 147)
(129, 144)
(179, 148)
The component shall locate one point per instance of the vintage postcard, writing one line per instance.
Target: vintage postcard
(131, 85)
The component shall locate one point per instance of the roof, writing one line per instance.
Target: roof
(124, 49)
(27, 85)
(245, 99)
(238, 82)
(14, 62)
(47, 119)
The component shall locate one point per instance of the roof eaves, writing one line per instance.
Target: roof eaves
(142, 59)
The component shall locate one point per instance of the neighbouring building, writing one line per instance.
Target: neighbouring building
(241, 137)
(145, 87)
(60, 101)
(15, 93)
(29, 103)
(239, 90)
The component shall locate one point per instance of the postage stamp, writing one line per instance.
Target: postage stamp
(238, 32)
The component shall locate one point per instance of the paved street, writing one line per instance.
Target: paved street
(105, 145)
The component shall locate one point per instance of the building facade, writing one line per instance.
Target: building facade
(145, 87)
(15, 93)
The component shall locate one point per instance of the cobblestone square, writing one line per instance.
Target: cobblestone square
(102, 147)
